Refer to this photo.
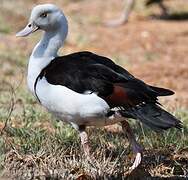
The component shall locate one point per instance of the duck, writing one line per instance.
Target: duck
(85, 89)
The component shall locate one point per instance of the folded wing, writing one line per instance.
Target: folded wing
(87, 72)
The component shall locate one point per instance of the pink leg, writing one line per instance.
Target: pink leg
(137, 149)
(85, 143)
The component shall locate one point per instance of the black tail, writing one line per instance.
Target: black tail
(155, 117)
(161, 91)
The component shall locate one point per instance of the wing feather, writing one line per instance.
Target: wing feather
(85, 71)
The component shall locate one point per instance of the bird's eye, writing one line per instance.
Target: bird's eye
(43, 15)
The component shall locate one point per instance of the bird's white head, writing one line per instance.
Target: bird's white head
(46, 17)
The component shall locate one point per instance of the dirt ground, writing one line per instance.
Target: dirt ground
(153, 50)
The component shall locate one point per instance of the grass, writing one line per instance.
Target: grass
(5, 29)
(34, 145)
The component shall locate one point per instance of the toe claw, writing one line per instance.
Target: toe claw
(137, 161)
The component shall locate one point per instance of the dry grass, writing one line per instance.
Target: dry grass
(35, 149)
(34, 146)
(38, 154)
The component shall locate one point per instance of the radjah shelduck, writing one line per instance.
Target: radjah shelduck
(86, 89)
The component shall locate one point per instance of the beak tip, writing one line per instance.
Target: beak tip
(17, 35)
(20, 35)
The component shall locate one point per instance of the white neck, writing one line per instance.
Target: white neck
(50, 43)
(44, 52)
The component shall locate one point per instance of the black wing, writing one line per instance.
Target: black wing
(85, 71)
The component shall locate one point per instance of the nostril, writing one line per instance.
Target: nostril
(29, 25)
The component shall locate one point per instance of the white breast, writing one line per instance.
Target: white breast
(35, 66)
(69, 105)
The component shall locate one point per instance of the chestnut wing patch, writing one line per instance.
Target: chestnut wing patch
(131, 94)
